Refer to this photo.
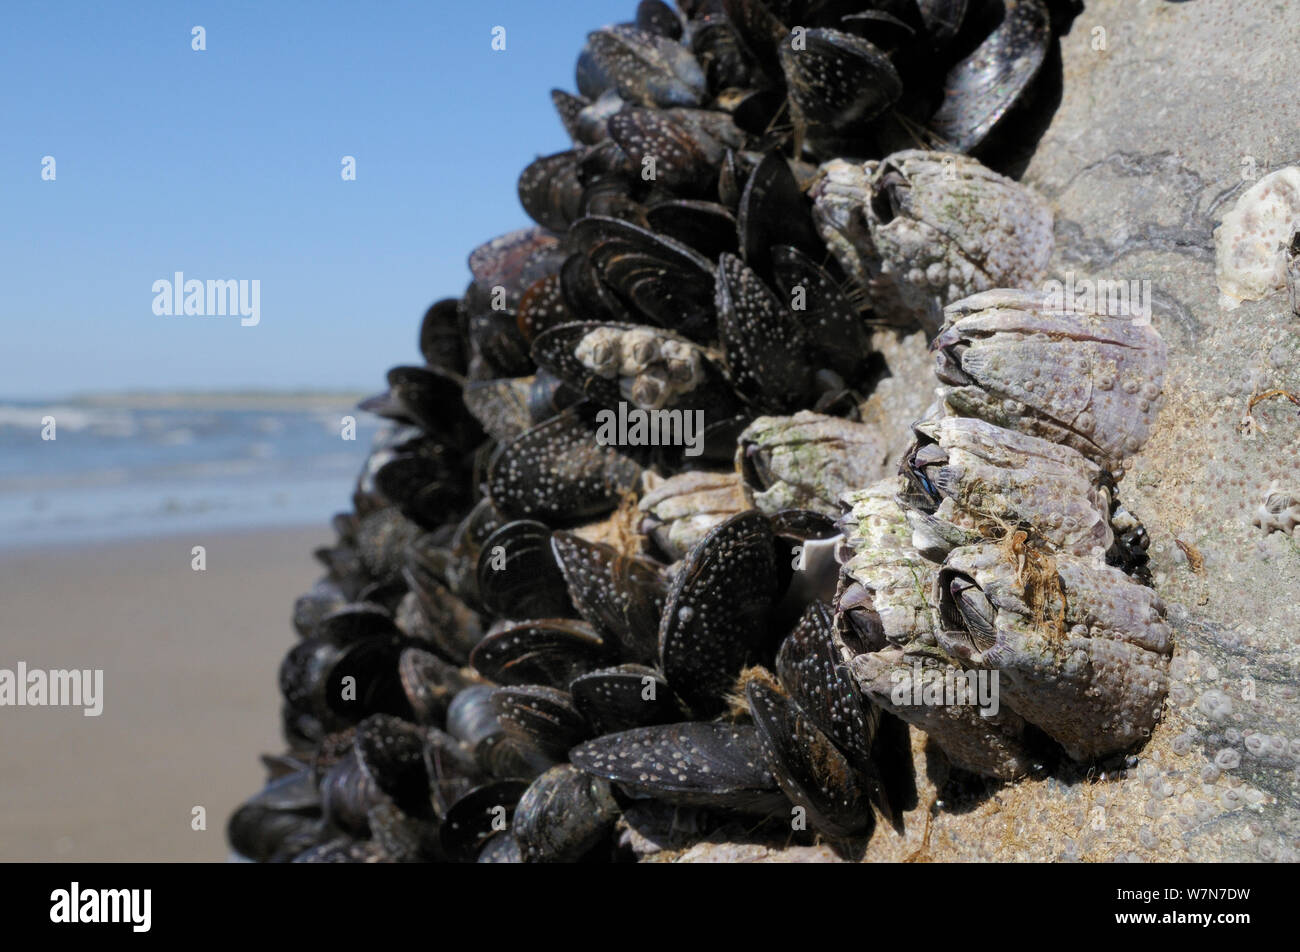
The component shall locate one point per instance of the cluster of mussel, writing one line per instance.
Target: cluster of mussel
(537, 643)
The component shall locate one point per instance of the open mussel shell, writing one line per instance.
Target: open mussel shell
(716, 613)
(695, 763)
(559, 471)
(765, 347)
(482, 813)
(540, 720)
(563, 815)
(548, 651)
(624, 697)
(517, 574)
(809, 768)
(622, 595)
(837, 334)
(550, 191)
(339, 685)
(663, 281)
(391, 751)
(809, 670)
(774, 211)
(981, 89)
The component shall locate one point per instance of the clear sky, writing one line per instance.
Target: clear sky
(226, 163)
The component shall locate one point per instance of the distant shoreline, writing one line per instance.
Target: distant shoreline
(205, 400)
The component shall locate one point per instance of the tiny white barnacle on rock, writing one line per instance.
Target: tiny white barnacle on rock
(1279, 512)
(1250, 259)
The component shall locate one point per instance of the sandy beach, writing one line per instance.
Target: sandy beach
(189, 661)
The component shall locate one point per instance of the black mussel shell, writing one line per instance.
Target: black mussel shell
(548, 651)
(443, 620)
(442, 336)
(564, 815)
(774, 211)
(310, 609)
(622, 595)
(263, 834)
(431, 399)
(501, 405)
(655, 16)
(355, 622)
(688, 764)
(985, 85)
(401, 838)
(471, 719)
(809, 768)
(550, 191)
(341, 685)
(808, 668)
(542, 306)
(430, 684)
(643, 67)
(558, 470)
(765, 347)
(837, 333)
(567, 107)
(347, 794)
(540, 720)
(502, 848)
(705, 226)
(482, 813)
(664, 282)
(665, 152)
(453, 769)
(624, 697)
(391, 751)
(836, 79)
(517, 574)
(717, 610)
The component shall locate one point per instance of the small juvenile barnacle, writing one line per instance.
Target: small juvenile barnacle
(1251, 245)
(1279, 512)
(992, 342)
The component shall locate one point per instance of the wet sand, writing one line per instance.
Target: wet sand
(189, 661)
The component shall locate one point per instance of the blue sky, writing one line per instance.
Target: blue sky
(225, 163)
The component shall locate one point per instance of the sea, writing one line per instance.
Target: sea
(123, 467)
